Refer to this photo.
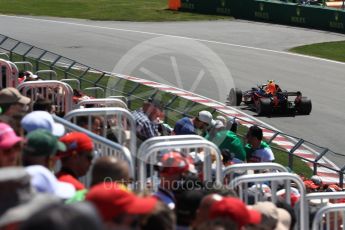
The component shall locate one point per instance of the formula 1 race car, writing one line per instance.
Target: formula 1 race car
(266, 102)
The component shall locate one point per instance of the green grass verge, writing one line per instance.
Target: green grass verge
(329, 50)
(177, 107)
(116, 10)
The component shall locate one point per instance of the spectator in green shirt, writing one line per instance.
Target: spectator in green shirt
(226, 139)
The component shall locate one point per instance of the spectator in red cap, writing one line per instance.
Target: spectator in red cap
(172, 169)
(120, 208)
(236, 210)
(76, 160)
(204, 209)
(10, 146)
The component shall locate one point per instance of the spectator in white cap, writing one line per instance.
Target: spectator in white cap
(29, 76)
(42, 120)
(188, 125)
(45, 182)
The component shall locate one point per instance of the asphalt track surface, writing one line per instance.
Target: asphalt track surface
(253, 52)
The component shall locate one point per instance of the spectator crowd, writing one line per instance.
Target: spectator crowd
(41, 165)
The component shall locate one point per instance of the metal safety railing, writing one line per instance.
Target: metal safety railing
(59, 93)
(102, 102)
(330, 217)
(315, 201)
(119, 118)
(52, 75)
(240, 184)
(149, 155)
(102, 147)
(241, 169)
(8, 74)
(90, 77)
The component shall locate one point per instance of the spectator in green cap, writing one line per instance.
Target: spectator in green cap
(40, 148)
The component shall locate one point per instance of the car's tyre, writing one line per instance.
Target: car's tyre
(264, 106)
(304, 106)
(235, 97)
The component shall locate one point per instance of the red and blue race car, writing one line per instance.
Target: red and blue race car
(267, 99)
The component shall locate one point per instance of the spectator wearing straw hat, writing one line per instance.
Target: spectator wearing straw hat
(76, 160)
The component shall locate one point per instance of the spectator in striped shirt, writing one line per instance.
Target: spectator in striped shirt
(147, 119)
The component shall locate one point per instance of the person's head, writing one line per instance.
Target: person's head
(42, 120)
(10, 146)
(204, 208)
(153, 108)
(187, 203)
(79, 153)
(43, 104)
(215, 127)
(12, 102)
(40, 148)
(290, 210)
(30, 76)
(203, 120)
(58, 216)
(161, 217)
(15, 187)
(44, 181)
(109, 169)
(96, 124)
(172, 166)
(235, 210)
(118, 206)
(271, 217)
(254, 136)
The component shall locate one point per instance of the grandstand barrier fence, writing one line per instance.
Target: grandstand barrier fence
(323, 199)
(68, 69)
(240, 184)
(26, 65)
(328, 217)
(8, 74)
(102, 102)
(162, 139)
(244, 168)
(52, 75)
(59, 93)
(151, 153)
(102, 146)
(114, 117)
(72, 82)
